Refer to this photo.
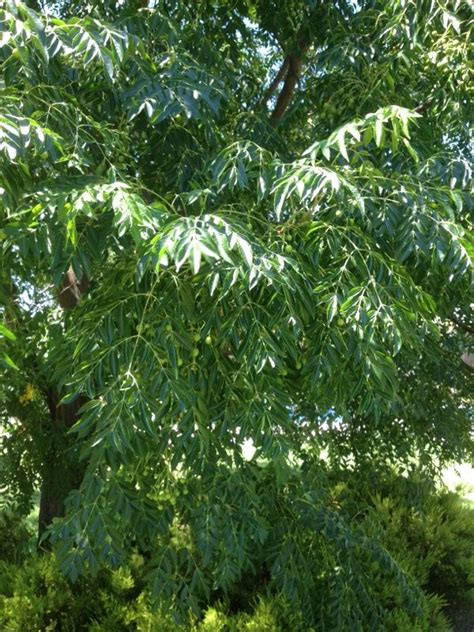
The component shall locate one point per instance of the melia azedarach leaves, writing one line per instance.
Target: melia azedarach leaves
(270, 207)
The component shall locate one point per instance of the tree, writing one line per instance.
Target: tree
(224, 222)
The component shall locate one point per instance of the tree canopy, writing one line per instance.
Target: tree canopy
(224, 222)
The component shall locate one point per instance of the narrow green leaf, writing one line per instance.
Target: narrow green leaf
(342, 144)
(4, 331)
(196, 256)
(8, 362)
(379, 132)
(332, 308)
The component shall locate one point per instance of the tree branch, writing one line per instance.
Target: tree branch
(424, 107)
(276, 81)
(295, 62)
(464, 326)
(72, 289)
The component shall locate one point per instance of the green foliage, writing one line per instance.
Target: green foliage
(297, 277)
(36, 596)
(15, 543)
(429, 534)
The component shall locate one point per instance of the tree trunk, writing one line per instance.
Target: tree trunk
(61, 471)
(59, 477)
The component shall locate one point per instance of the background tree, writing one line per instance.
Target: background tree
(224, 222)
